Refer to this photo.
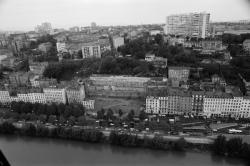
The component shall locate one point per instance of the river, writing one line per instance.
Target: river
(25, 151)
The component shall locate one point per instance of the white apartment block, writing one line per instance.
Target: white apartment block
(91, 51)
(37, 98)
(169, 105)
(118, 41)
(222, 106)
(16, 99)
(244, 108)
(89, 104)
(75, 95)
(5, 97)
(24, 97)
(61, 47)
(191, 24)
(54, 95)
(153, 105)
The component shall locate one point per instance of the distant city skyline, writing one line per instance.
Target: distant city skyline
(25, 15)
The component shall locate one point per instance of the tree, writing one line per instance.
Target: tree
(52, 119)
(142, 115)
(234, 147)
(100, 114)
(7, 128)
(62, 120)
(131, 115)
(180, 144)
(159, 39)
(220, 145)
(30, 130)
(72, 120)
(110, 114)
(120, 113)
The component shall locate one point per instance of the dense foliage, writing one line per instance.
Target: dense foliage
(234, 39)
(108, 65)
(176, 55)
(93, 136)
(132, 140)
(47, 112)
(233, 147)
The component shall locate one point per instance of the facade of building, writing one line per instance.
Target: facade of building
(246, 45)
(173, 104)
(200, 104)
(197, 103)
(178, 73)
(89, 104)
(4, 97)
(38, 67)
(54, 95)
(75, 95)
(191, 24)
(222, 106)
(61, 47)
(118, 41)
(44, 28)
(91, 51)
(19, 79)
(116, 86)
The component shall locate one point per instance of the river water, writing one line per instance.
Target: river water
(25, 151)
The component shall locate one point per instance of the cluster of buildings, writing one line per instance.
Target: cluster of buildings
(47, 95)
(89, 45)
(200, 103)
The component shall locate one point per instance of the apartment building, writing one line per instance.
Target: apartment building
(118, 41)
(91, 51)
(38, 67)
(116, 86)
(89, 104)
(41, 82)
(212, 45)
(197, 102)
(54, 95)
(178, 73)
(37, 98)
(173, 104)
(244, 108)
(4, 97)
(222, 106)
(19, 78)
(153, 105)
(191, 24)
(44, 28)
(75, 95)
(61, 47)
(246, 45)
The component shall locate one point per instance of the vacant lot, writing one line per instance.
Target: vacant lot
(118, 103)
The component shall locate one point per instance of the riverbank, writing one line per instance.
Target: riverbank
(29, 151)
(232, 148)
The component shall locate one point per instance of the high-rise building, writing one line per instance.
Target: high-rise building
(93, 25)
(44, 28)
(191, 24)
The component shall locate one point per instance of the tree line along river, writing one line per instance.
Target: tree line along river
(27, 151)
